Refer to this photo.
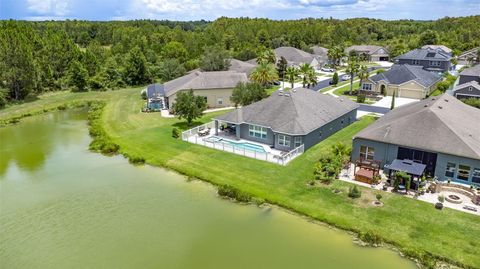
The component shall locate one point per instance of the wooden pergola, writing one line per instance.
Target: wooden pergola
(367, 170)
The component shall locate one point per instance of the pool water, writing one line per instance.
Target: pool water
(237, 145)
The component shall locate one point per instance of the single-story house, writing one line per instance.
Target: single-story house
(429, 59)
(405, 80)
(241, 66)
(440, 132)
(286, 120)
(296, 57)
(321, 54)
(469, 56)
(371, 53)
(216, 87)
(468, 83)
(443, 48)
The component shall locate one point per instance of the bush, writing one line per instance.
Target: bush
(234, 193)
(361, 98)
(379, 71)
(439, 206)
(441, 198)
(378, 196)
(475, 102)
(354, 192)
(370, 238)
(135, 159)
(175, 133)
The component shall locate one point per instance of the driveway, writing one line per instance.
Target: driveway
(325, 83)
(382, 106)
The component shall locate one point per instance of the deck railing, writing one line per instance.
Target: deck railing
(191, 132)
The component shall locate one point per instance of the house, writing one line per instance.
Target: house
(296, 57)
(370, 53)
(469, 56)
(321, 54)
(429, 59)
(241, 66)
(287, 120)
(440, 132)
(216, 87)
(440, 48)
(468, 83)
(405, 80)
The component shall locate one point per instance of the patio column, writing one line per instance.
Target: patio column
(237, 131)
(216, 127)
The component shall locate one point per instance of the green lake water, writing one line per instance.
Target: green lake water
(62, 206)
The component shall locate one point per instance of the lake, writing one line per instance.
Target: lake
(62, 206)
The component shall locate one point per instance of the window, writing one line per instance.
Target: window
(463, 172)
(284, 140)
(320, 134)
(298, 142)
(476, 175)
(434, 63)
(257, 131)
(219, 101)
(450, 171)
(470, 89)
(366, 86)
(367, 153)
(416, 62)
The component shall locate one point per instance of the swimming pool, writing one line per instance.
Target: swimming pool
(237, 145)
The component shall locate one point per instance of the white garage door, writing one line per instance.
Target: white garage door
(407, 93)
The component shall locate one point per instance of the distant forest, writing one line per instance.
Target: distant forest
(36, 57)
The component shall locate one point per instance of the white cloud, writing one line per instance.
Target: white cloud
(53, 8)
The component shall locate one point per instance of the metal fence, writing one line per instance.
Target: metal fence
(282, 159)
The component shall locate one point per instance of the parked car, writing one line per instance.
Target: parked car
(330, 82)
(326, 69)
(276, 82)
(345, 77)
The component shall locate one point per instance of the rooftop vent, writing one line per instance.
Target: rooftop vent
(446, 100)
(440, 107)
(425, 105)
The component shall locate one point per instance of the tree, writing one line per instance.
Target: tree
(335, 78)
(352, 70)
(215, 59)
(282, 67)
(170, 69)
(189, 106)
(363, 74)
(307, 72)
(78, 77)
(336, 54)
(267, 56)
(247, 93)
(392, 105)
(292, 74)
(264, 74)
(136, 71)
(263, 37)
(428, 37)
(174, 50)
(478, 56)
(379, 197)
(312, 78)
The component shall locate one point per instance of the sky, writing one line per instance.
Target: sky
(185, 10)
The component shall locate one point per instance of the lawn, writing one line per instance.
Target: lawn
(412, 225)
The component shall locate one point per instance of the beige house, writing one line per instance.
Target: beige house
(216, 87)
(371, 53)
(403, 80)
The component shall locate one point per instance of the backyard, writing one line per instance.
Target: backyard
(414, 226)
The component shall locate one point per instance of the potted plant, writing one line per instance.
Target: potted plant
(439, 205)
(379, 197)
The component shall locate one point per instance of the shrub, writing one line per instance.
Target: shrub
(439, 206)
(135, 159)
(379, 71)
(361, 98)
(354, 192)
(370, 238)
(378, 196)
(441, 198)
(234, 193)
(475, 102)
(144, 95)
(175, 133)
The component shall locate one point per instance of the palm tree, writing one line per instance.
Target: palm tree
(312, 78)
(336, 54)
(267, 56)
(352, 70)
(363, 74)
(305, 69)
(292, 74)
(264, 74)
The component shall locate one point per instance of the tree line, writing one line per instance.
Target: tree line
(37, 57)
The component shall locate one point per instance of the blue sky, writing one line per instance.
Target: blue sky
(212, 9)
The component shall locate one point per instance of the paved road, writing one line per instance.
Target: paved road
(325, 83)
(373, 109)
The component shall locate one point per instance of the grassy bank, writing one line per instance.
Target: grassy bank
(414, 226)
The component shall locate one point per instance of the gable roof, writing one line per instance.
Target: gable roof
(472, 71)
(399, 74)
(438, 124)
(436, 47)
(321, 51)
(472, 83)
(204, 80)
(241, 66)
(369, 49)
(425, 54)
(293, 55)
(295, 112)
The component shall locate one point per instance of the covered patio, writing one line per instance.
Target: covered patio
(413, 169)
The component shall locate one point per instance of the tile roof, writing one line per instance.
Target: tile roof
(441, 124)
(399, 74)
(295, 112)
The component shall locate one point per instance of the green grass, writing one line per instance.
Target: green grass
(342, 90)
(274, 88)
(414, 226)
(436, 92)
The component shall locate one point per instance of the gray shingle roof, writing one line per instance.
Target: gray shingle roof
(204, 80)
(437, 124)
(241, 66)
(294, 55)
(435, 47)
(399, 74)
(472, 71)
(472, 83)
(369, 49)
(425, 54)
(296, 112)
(321, 51)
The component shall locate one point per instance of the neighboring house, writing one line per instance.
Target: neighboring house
(216, 87)
(431, 60)
(469, 56)
(321, 54)
(405, 80)
(468, 83)
(241, 66)
(441, 48)
(440, 132)
(296, 57)
(370, 53)
(286, 120)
